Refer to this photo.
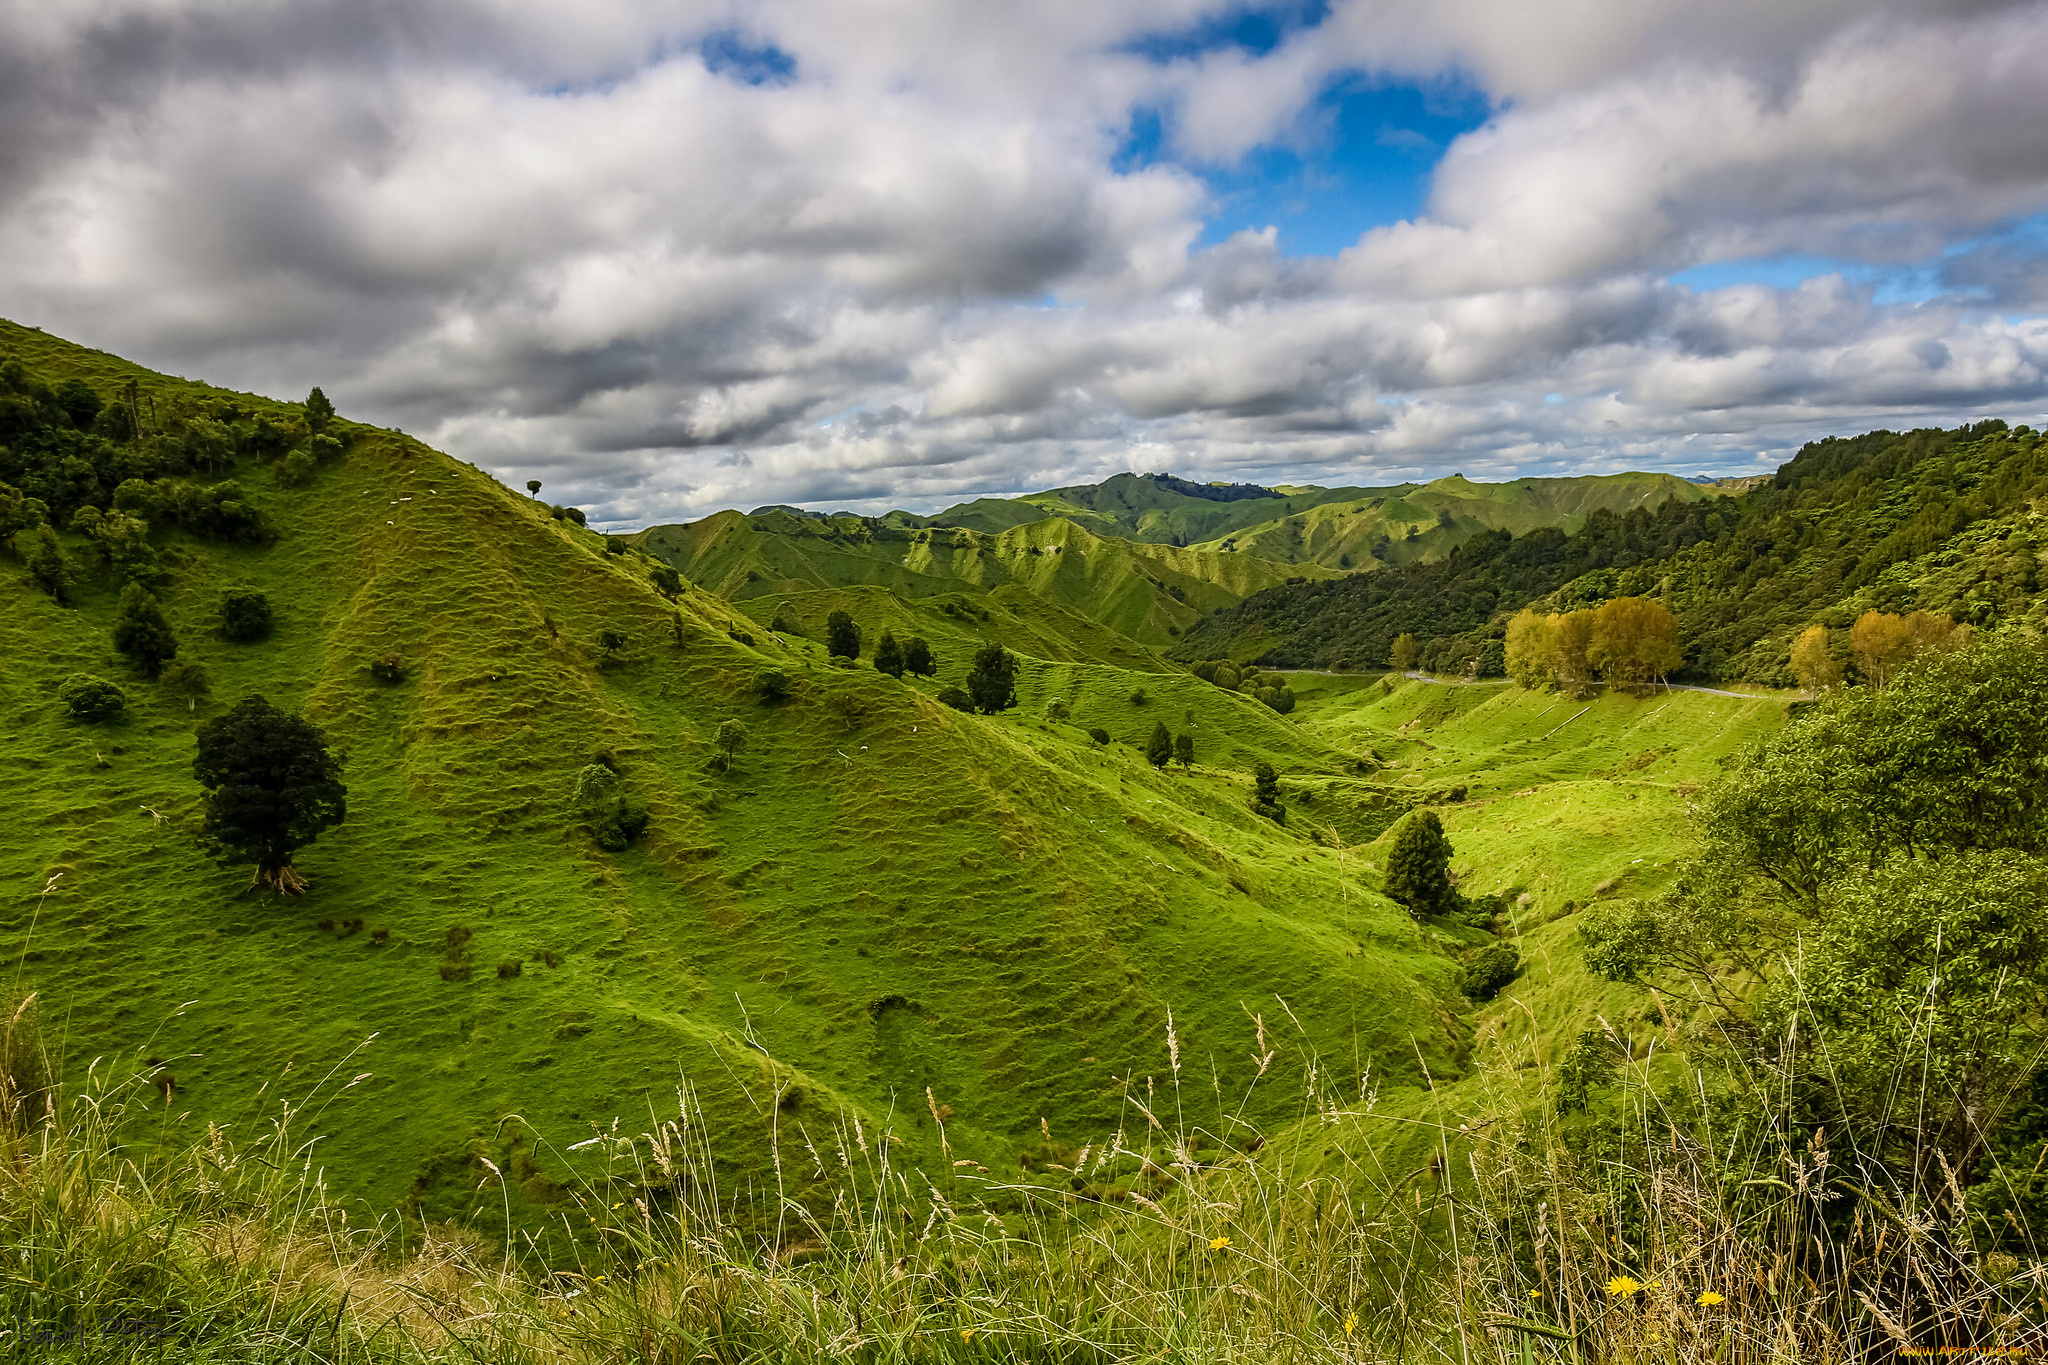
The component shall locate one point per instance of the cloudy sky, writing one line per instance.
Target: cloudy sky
(671, 257)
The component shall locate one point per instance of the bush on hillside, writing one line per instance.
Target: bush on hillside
(141, 632)
(1184, 751)
(1139, 696)
(666, 580)
(615, 545)
(245, 614)
(600, 796)
(609, 643)
(728, 743)
(1266, 794)
(1057, 710)
(956, 698)
(1488, 971)
(1099, 735)
(294, 470)
(89, 698)
(49, 566)
(771, 685)
(388, 667)
(187, 678)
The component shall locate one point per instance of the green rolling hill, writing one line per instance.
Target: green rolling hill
(884, 894)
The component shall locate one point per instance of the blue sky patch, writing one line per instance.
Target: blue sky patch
(734, 55)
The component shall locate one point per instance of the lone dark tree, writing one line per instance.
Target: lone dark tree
(842, 636)
(141, 632)
(1419, 868)
(1159, 748)
(1266, 794)
(889, 656)
(1184, 751)
(271, 787)
(666, 580)
(533, 488)
(917, 657)
(319, 412)
(992, 682)
(611, 642)
(245, 614)
(49, 566)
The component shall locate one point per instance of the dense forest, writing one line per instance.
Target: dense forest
(1928, 520)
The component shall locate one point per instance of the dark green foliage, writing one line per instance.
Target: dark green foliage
(956, 698)
(49, 565)
(889, 656)
(842, 636)
(1184, 750)
(1419, 867)
(141, 632)
(272, 786)
(600, 796)
(576, 515)
(1488, 971)
(611, 642)
(1266, 794)
(992, 681)
(666, 580)
(14, 516)
(88, 698)
(187, 678)
(245, 614)
(533, 488)
(1057, 709)
(917, 657)
(79, 403)
(1159, 747)
(1139, 696)
(1590, 1062)
(614, 545)
(1097, 733)
(388, 667)
(771, 685)
(319, 412)
(122, 544)
(782, 625)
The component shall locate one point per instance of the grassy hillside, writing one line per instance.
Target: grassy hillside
(886, 895)
(1940, 521)
(1147, 593)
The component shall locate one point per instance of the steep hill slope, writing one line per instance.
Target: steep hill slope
(914, 911)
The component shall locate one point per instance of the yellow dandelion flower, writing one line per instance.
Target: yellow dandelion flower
(1709, 1299)
(1218, 1243)
(1350, 1323)
(967, 1334)
(1535, 1293)
(1621, 1286)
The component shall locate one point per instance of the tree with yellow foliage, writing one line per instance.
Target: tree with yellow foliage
(1812, 664)
(1532, 648)
(1571, 661)
(1634, 642)
(1403, 657)
(1883, 643)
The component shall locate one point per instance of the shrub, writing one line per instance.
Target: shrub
(772, 685)
(601, 797)
(89, 699)
(1139, 696)
(614, 545)
(49, 566)
(956, 698)
(782, 625)
(1488, 971)
(141, 632)
(1266, 794)
(245, 614)
(187, 678)
(1099, 735)
(1056, 710)
(388, 667)
(611, 642)
(1184, 751)
(1419, 867)
(729, 742)
(917, 657)
(666, 580)
(510, 967)
(294, 470)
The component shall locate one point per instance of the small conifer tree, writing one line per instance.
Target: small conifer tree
(1266, 794)
(889, 656)
(1184, 751)
(917, 657)
(319, 412)
(1419, 867)
(1159, 748)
